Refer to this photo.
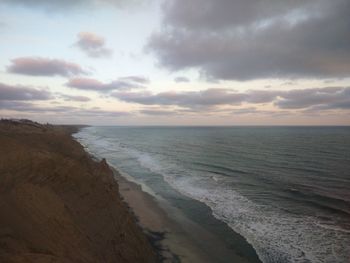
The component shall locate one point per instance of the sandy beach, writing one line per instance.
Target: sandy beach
(178, 238)
(60, 204)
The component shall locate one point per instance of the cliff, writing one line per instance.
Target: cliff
(59, 205)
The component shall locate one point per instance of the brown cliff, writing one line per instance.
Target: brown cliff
(58, 205)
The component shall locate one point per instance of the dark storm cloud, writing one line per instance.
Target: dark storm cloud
(93, 45)
(242, 40)
(326, 98)
(10, 92)
(96, 85)
(181, 79)
(38, 66)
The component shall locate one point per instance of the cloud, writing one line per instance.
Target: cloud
(322, 98)
(262, 96)
(38, 66)
(156, 112)
(9, 93)
(242, 111)
(255, 111)
(244, 40)
(71, 111)
(100, 113)
(13, 105)
(93, 45)
(190, 99)
(29, 107)
(325, 98)
(181, 79)
(136, 79)
(66, 5)
(74, 98)
(124, 83)
(219, 14)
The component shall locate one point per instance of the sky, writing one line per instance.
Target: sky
(175, 62)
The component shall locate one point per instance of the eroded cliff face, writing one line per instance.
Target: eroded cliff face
(58, 205)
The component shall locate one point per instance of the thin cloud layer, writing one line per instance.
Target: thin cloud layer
(181, 79)
(28, 107)
(157, 112)
(322, 98)
(244, 40)
(136, 79)
(21, 93)
(64, 5)
(20, 98)
(14, 105)
(190, 99)
(78, 98)
(327, 98)
(39, 66)
(225, 14)
(93, 45)
(125, 83)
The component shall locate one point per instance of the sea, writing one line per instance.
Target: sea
(286, 190)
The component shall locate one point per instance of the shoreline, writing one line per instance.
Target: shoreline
(176, 237)
(166, 235)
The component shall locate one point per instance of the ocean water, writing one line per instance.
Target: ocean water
(286, 190)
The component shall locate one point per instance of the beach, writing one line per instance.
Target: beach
(178, 238)
(210, 192)
(107, 194)
(60, 204)
(182, 229)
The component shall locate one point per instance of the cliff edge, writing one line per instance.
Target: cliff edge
(59, 205)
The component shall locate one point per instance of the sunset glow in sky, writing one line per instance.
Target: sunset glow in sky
(175, 62)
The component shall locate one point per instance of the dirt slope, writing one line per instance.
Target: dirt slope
(58, 205)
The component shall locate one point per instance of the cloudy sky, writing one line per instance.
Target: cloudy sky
(175, 62)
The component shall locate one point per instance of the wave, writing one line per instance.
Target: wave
(276, 235)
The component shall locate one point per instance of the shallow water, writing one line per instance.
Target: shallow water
(285, 189)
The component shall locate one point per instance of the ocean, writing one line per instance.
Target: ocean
(286, 190)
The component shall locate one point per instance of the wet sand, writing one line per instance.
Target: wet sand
(58, 204)
(178, 238)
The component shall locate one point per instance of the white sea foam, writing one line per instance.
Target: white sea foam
(276, 235)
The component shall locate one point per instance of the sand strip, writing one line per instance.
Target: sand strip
(178, 238)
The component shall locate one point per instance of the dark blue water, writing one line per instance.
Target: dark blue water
(285, 189)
